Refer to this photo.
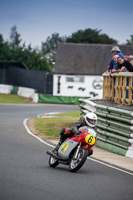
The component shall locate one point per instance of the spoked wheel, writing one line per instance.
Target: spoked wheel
(76, 163)
(53, 162)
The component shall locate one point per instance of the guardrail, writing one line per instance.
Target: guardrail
(114, 127)
(38, 98)
(118, 87)
(21, 91)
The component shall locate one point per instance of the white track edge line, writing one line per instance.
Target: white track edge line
(93, 159)
(28, 131)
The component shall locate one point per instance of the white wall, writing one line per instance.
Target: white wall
(92, 85)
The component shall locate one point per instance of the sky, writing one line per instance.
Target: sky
(38, 19)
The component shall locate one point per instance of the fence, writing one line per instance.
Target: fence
(114, 127)
(41, 81)
(38, 98)
(118, 87)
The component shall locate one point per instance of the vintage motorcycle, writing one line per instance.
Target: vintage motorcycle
(74, 150)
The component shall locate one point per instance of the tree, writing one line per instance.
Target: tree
(15, 37)
(5, 52)
(130, 42)
(13, 51)
(49, 47)
(90, 36)
(44, 59)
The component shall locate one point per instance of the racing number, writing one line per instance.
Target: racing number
(64, 147)
(90, 139)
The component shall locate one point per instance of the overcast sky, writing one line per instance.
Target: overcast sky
(38, 19)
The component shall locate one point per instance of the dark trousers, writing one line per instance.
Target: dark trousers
(63, 135)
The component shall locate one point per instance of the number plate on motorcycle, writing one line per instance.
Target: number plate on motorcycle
(64, 147)
(90, 139)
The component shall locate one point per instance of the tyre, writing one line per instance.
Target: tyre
(53, 162)
(76, 164)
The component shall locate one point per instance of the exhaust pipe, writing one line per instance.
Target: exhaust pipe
(53, 154)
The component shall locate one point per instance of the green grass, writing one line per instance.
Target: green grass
(12, 98)
(51, 127)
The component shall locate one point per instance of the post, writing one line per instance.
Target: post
(118, 87)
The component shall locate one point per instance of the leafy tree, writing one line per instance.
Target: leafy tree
(44, 59)
(35, 60)
(13, 50)
(1, 39)
(90, 36)
(4, 49)
(15, 37)
(130, 42)
(49, 46)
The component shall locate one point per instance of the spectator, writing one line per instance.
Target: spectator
(116, 51)
(123, 65)
(113, 64)
(129, 58)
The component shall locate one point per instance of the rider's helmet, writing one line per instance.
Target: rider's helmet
(90, 119)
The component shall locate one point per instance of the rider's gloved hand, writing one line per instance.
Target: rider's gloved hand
(78, 133)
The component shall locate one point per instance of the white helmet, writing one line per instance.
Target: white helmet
(90, 119)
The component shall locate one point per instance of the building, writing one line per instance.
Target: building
(79, 67)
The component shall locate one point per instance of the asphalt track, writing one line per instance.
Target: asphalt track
(24, 170)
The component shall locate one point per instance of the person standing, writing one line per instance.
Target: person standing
(124, 64)
(113, 64)
(129, 58)
(116, 51)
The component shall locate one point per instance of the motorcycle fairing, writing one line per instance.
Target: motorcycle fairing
(65, 149)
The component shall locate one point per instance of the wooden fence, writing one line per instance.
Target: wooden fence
(118, 87)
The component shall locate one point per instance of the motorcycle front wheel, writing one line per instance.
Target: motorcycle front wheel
(53, 162)
(76, 163)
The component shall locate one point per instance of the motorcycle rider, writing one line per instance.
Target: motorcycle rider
(88, 120)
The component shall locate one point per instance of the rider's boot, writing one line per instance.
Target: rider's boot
(58, 146)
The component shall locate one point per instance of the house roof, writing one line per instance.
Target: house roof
(85, 59)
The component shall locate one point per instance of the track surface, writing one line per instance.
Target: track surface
(24, 170)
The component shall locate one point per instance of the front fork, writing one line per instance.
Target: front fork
(77, 151)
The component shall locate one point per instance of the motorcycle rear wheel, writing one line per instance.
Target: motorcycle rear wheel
(53, 162)
(76, 164)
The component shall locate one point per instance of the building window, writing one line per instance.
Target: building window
(70, 79)
(75, 79)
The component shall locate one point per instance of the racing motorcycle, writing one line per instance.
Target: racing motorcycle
(74, 150)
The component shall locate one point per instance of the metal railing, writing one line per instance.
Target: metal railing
(118, 87)
(114, 127)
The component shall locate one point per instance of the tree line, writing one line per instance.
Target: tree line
(44, 58)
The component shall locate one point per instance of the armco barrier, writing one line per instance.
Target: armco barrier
(39, 98)
(21, 91)
(114, 127)
(5, 89)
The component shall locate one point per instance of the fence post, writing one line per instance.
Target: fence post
(130, 91)
(104, 87)
(119, 90)
(124, 90)
(118, 87)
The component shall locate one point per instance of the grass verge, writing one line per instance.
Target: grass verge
(12, 98)
(50, 127)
